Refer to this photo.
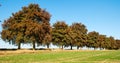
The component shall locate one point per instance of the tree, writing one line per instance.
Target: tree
(118, 44)
(112, 43)
(93, 39)
(70, 37)
(77, 35)
(29, 25)
(58, 33)
(48, 38)
(102, 41)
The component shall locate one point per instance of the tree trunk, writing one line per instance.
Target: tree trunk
(48, 46)
(71, 47)
(62, 46)
(19, 45)
(100, 47)
(94, 48)
(33, 45)
(77, 47)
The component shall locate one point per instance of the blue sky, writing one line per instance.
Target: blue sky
(102, 16)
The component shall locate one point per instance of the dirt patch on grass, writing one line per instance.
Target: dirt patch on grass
(22, 51)
(14, 52)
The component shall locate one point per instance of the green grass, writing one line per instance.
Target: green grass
(64, 57)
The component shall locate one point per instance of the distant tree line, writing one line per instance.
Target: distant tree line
(76, 35)
(32, 25)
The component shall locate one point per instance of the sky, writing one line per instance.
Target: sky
(102, 16)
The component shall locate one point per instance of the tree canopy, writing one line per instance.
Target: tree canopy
(31, 24)
(58, 33)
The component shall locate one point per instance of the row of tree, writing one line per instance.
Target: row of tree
(31, 25)
(76, 35)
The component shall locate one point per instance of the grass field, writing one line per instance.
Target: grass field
(63, 57)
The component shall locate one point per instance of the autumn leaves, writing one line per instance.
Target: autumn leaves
(31, 25)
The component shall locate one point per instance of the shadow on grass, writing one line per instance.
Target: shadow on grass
(14, 49)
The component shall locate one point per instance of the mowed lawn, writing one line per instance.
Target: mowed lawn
(63, 57)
